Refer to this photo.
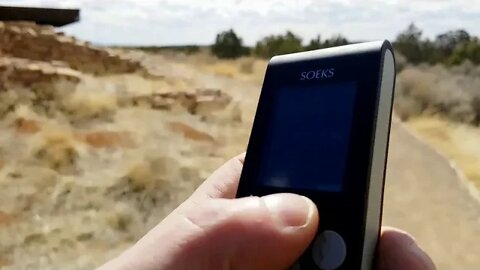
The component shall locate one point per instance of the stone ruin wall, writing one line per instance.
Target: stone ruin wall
(27, 40)
(35, 57)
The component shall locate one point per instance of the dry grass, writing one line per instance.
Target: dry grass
(459, 142)
(443, 105)
(84, 172)
(244, 68)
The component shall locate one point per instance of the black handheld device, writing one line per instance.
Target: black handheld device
(321, 130)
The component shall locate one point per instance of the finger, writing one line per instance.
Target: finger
(398, 250)
(248, 233)
(223, 183)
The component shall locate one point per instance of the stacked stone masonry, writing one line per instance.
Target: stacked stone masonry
(28, 40)
(16, 72)
(35, 57)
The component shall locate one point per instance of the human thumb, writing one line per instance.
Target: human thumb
(251, 233)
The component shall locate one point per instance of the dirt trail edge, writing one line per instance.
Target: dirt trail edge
(424, 194)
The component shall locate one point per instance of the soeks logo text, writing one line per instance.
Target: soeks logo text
(317, 74)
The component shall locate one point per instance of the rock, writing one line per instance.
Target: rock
(4, 261)
(209, 101)
(37, 75)
(189, 132)
(167, 100)
(5, 218)
(26, 126)
(207, 106)
(202, 102)
(107, 139)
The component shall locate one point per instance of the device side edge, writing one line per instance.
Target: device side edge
(378, 160)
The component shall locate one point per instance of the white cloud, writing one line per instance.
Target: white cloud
(193, 21)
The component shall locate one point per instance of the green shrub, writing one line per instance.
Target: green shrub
(409, 44)
(467, 51)
(278, 44)
(337, 40)
(228, 45)
(316, 43)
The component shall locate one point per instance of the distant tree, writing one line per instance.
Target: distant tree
(337, 40)
(228, 45)
(409, 44)
(466, 51)
(278, 44)
(314, 44)
(430, 53)
(450, 40)
(452, 47)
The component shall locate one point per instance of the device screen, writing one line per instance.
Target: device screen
(308, 134)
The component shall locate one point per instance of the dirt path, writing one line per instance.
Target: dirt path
(424, 195)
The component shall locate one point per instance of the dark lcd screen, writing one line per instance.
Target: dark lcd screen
(308, 134)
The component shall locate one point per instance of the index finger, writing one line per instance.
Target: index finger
(223, 182)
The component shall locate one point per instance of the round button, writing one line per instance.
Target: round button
(329, 250)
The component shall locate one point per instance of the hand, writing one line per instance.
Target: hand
(212, 230)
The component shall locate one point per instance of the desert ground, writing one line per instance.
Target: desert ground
(424, 189)
(88, 166)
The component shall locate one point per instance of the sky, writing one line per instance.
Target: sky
(182, 22)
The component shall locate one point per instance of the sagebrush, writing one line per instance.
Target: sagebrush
(453, 93)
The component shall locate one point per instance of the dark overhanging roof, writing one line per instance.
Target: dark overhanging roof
(45, 16)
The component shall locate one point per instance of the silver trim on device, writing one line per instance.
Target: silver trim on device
(333, 51)
(377, 173)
